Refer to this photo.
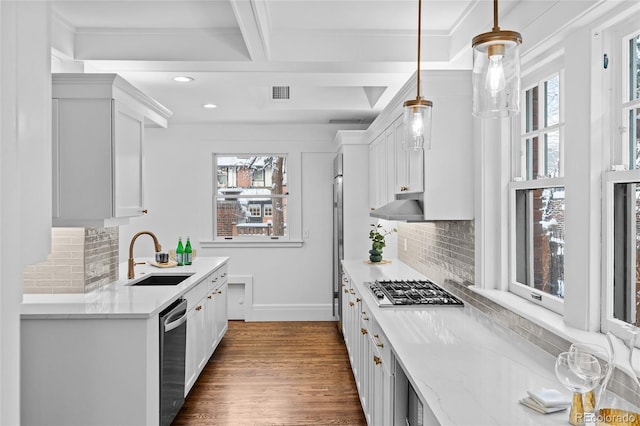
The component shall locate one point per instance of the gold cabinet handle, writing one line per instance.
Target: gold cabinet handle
(209, 297)
(377, 360)
(198, 308)
(346, 291)
(218, 291)
(404, 188)
(351, 304)
(365, 317)
(363, 330)
(351, 291)
(358, 299)
(378, 342)
(145, 211)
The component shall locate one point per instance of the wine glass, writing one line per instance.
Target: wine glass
(579, 373)
(604, 356)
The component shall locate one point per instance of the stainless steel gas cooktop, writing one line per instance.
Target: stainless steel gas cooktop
(395, 293)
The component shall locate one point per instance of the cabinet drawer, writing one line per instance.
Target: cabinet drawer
(218, 277)
(380, 343)
(196, 294)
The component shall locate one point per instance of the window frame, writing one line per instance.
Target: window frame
(519, 181)
(620, 161)
(251, 239)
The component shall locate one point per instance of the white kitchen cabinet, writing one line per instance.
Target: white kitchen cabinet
(433, 175)
(207, 322)
(370, 357)
(196, 345)
(98, 132)
(409, 164)
(221, 313)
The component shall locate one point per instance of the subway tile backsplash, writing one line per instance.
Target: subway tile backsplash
(81, 260)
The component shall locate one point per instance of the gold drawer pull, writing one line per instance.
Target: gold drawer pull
(363, 331)
(199, 307)
(358, 299)
(346, 291)
(351, 291)
(378, 342)
(377, 360)
(351, 304)
(209, 297)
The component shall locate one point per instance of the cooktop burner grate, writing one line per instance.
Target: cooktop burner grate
(412, 292)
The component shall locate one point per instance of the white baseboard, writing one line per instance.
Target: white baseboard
(302, 312)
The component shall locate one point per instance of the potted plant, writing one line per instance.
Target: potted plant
(377, 235)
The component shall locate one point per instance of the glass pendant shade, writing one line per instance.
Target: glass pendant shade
(496, 78)
(496, 71)
(417, 124)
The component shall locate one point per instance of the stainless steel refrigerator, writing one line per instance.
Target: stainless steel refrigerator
(338, 238)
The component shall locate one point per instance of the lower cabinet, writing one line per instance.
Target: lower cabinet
(370, 356)
(207, 322)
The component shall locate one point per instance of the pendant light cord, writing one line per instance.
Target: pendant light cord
(419, 37)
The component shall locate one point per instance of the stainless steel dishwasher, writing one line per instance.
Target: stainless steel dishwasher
(173, 340)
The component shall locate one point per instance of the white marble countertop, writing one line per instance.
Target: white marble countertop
(120, 299)
(468, 369)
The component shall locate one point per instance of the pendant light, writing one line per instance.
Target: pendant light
(417, 112)
(496, 71)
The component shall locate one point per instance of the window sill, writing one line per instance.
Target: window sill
(252, 244)
(540, 316)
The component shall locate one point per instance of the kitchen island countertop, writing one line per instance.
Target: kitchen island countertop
(120, 299)
(468, 369)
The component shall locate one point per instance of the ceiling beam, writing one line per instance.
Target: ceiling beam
(253, 21)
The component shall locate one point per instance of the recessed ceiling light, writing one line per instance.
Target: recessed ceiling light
(210, 106)
(183, 79)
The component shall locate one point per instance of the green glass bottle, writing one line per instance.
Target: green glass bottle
(188, 253)
(180, 252)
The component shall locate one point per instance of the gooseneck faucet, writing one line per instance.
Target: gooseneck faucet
(130, 273)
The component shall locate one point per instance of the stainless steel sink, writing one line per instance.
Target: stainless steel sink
(169, 279)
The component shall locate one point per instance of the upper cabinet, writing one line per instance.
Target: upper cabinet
(409, 164)
(438, 181)
(98, 130)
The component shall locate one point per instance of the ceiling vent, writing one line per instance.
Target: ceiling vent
(279, 93)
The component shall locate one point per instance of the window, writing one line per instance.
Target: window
(622, 198)
(537, 242)
(631, 107)
(241, 197)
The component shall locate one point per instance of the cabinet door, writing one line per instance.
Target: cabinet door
(128, 129)
(191, 362)
(82, 169)
(211, 334)
(195, 356)
(409, 164)
(377, 173)
(221, 314)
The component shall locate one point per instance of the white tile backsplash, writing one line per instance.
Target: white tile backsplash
(81, 260)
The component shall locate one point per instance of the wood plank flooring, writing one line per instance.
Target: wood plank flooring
(275, 373)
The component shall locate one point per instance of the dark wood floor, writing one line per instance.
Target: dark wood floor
(275, 373)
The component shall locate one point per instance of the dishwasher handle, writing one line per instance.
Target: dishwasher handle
(175, 319)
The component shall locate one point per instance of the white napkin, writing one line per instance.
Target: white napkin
(531, 403)
(550, 397)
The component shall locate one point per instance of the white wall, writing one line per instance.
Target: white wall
(289, 283)
(25, 175)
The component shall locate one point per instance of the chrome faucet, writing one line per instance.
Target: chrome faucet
(132, 263)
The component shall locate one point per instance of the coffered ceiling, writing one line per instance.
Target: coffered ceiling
(343, 60)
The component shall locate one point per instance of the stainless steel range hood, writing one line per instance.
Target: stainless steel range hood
(406, 208)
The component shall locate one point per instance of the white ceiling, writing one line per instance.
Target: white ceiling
(343, 59)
